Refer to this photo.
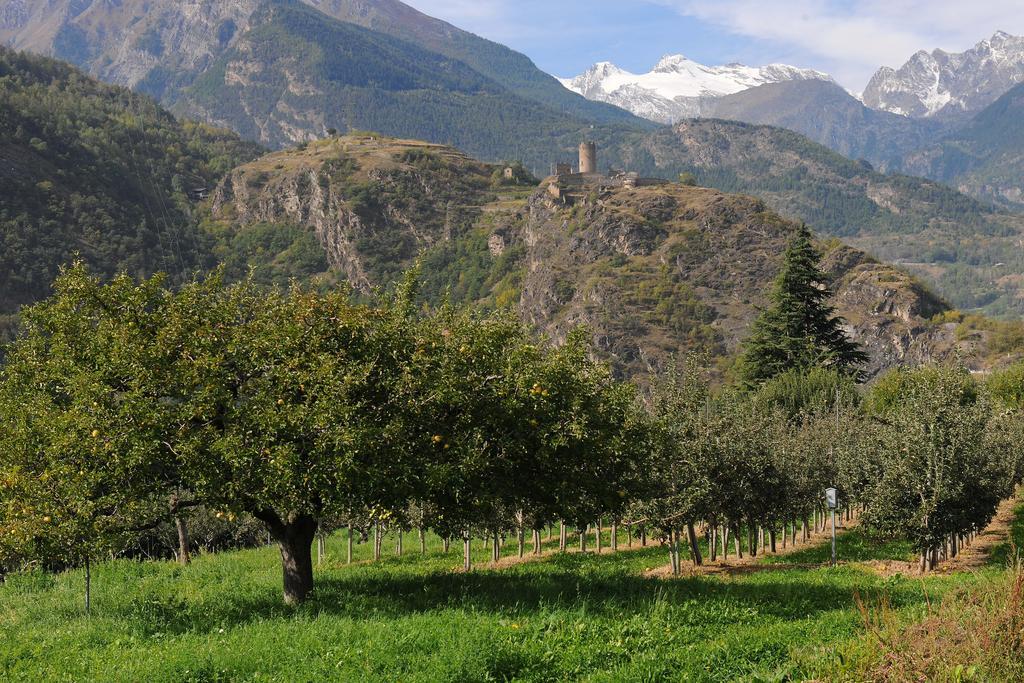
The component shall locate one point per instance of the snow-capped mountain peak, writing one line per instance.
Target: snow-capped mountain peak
(941, 83)
(670, 64)
(676, 87)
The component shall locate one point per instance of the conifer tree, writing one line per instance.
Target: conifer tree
(799, 330)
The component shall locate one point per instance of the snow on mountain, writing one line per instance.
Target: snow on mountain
(947, 84)
(677, 87)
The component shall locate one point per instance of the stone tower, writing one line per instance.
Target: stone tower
(588, 157)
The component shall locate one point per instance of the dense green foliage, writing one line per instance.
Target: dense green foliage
(935, 471)
(292, 407)
(799, 330)
(309, 411)
(96, 171)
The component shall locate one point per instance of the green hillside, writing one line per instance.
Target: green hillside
(825, 113)
(97, 171)
(651, 271)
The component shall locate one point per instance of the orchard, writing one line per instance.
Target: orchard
(129, 406)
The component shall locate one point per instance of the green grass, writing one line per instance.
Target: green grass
(854, 545)
(415, 618)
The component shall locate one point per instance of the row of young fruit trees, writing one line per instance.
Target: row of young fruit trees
(128, 404)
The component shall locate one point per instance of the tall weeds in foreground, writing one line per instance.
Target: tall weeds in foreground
(975, 634)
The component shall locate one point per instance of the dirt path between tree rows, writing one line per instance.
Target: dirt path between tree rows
(752, 565)
(971, 558)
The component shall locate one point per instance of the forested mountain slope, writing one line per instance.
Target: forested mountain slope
(283, 72)
(981, 156)
(98, 171)
(297, 73)
(967, 248)
(512, 70)
(985, 157)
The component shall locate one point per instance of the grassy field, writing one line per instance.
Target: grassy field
(418, 618)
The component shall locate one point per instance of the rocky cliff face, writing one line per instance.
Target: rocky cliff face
(373, 203)
(135, 43)
(651, 271)
(661, 271)
(943, 236)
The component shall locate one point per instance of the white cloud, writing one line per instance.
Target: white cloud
(855, 37)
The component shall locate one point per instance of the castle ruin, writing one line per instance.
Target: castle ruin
(568, 187)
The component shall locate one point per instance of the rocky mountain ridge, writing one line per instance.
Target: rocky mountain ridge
(944, 84)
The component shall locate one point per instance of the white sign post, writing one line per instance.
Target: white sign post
(832, 500)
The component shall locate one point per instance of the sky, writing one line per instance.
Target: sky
(846, 38)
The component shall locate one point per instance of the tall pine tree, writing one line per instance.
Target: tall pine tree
(799, 330)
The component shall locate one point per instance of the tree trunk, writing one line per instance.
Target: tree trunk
(536, 541)
(321, 548)
(629, 535)
(467, 558)
(522, 541)
(694, 545)
(713, 542)
(496, 548)
(771, 539)
(673, 550)
(583, 541)
(423, 541)
(643, 536)
(184, 557)
(752, 541)
(88, 586)
(376, 541)
(294, 537)
(398, 543)
(562, 539)
(597, 537)
(348, 557)
(736, 533)
(446, 544)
